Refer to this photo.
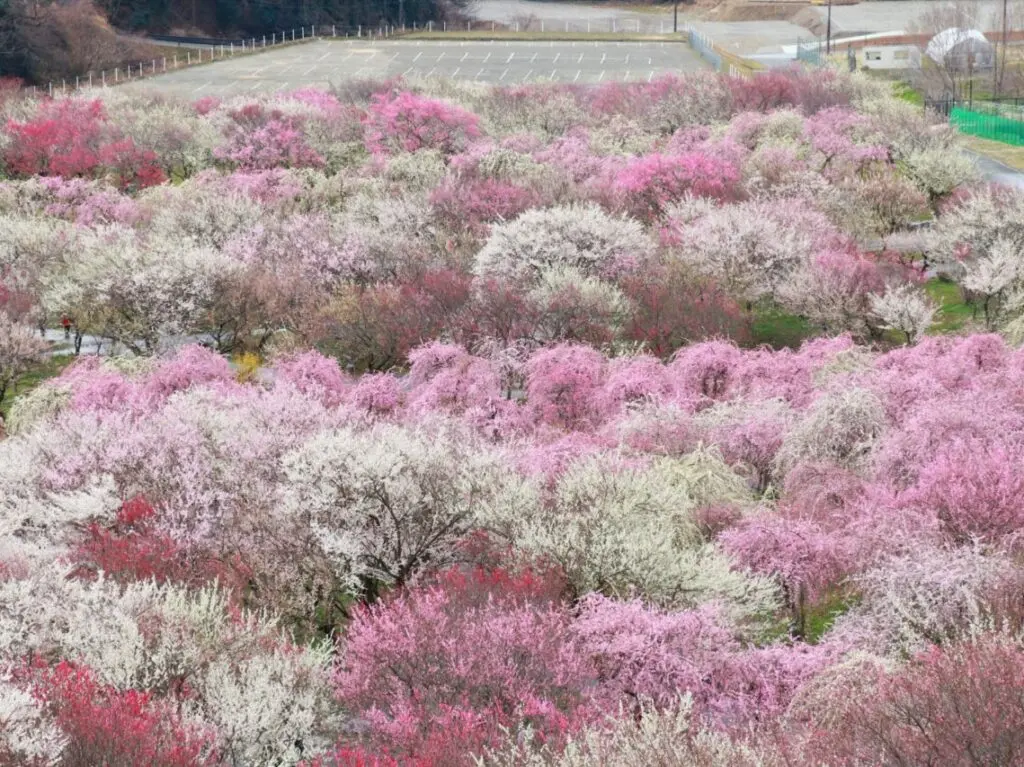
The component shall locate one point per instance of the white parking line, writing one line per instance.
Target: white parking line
(309, 71)
(456, 72)
(324, 56)
(407, 71)
(553, 72)
(431, 71)
(487, 57)
(441, 56)
(534, 58)
(510, 57)
(578, 73)
(599, 79)
(580, 59)
(556, 58)
(418, 56)
(503, 75)
(527, 75)
(650, 76)
(464, 56)
(603, 57)
(204, 85)
(482, 70)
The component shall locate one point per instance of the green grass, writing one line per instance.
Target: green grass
(953, 314)
(27, 381)
(1008, 154)
(820, 618)
(778, 329)
(904, 91)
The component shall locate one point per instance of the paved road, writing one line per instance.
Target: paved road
(577, 15)
(327, 61)
(995, 171)
(894, 15)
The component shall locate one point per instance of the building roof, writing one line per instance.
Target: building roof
(948, 39)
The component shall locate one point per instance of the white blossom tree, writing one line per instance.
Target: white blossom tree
(20, 346)
(905, 310)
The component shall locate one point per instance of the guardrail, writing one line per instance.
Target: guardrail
(219, 49)
(718, 57)
(207, 50)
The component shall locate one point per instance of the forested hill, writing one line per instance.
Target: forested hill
(226, 17)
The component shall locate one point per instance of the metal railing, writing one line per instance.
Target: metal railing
(206, 50)
(718, 57)
(1001, 120)
(811, 52)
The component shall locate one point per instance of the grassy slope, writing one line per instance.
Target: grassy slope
(48, 368)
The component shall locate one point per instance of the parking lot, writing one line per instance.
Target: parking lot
(505, 63)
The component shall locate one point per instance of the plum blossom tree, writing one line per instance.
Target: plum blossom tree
(387, 505)
(407, 122)
(604, 526)
(933, 710)
(749, 249)
(438, 672)
(583, 237)
(137, 293)
(19, 348)
(905, 310)
(646, 186)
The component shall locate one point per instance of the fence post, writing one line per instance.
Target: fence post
(103, 77)
(334, 32)
(293, 35)
(314, 31)
(76, 82)
(188, 54)
(90, 79)
(232, 48)
(51, 89)
(116, 73)
(165, 63)
(542, 25)
(154, 66)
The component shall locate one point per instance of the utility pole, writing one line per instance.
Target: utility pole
(828, 31)
(675, 17)
(1000, 65)
(401, 13)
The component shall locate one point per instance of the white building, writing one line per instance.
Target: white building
(890, 57)
(961, 50)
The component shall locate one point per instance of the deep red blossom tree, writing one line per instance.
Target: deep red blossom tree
(134, 549)
(73, 137)
(117, 728)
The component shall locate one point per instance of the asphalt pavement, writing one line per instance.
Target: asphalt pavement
(496, 62)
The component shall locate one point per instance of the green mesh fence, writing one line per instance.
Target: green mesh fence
(990, 126)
